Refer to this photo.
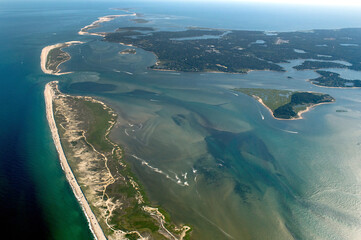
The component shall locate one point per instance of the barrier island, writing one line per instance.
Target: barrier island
(112, 198)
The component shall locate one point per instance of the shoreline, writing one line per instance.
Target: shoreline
(93, 222)
(312, 82)
(96, 24)
(299, 114)
(44, 57)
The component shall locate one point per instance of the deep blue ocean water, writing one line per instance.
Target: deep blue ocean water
(253, 178)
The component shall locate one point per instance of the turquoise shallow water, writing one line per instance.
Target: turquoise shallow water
(203, 152)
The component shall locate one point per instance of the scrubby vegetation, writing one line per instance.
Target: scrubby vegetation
(114, 193)
(286, 104)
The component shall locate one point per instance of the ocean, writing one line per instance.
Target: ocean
(213, 158)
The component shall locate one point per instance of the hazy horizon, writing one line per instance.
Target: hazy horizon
(329, 3)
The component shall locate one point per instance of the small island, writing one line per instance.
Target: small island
(53, 56)
(285, 104)
(332, 79)
(128, 51)
(111, 196)
(139, 20)
(314, 65)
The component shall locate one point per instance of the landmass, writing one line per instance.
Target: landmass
(111, 196)
(285, 104)
(128, 30)
(128, 51)
(332, 79)
(53, 56)
(85, 30)
(139, 20)
(314, 65)
(236, 51)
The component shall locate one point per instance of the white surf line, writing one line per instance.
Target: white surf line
(129, 73)
(176, 177)
(261, 115)
(184, 175)
(235, 94)
(179, 181)
(157, 170)
(288, 131)
(151, 167)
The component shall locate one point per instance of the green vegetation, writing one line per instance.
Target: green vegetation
(312, 65)
(99, 121)
(240, 51)
(139, 20)
(212, 54)
(286, 104)
(331, 79)
(56, 56)
(272, 98)
(132, 236)
(98, 166)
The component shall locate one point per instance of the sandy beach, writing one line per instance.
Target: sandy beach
(93, 223)
(44, 56)
(95, 24)
(299, 114)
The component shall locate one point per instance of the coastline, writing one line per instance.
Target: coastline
(44, 56)
(93, 223)
(51, 95)
(312, 82)
(299, 114)
(96, 23)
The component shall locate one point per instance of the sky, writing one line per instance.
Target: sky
(286, 2)
(300, 2)
(308, 2)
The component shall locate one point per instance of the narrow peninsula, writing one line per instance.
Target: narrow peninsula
(53, 56)
(284, 104)
(111, 196)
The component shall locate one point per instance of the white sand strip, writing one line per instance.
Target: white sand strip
(93, 223)
(45, 52)
(95, 24)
